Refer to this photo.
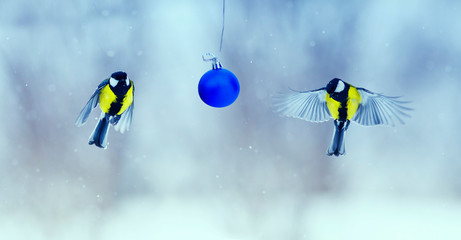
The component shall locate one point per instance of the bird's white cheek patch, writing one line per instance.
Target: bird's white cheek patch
(340, 86)
(127, 81)
(113, 82)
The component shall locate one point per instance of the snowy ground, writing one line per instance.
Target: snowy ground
(324, 217)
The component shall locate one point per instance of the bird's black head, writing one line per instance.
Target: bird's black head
(119, 75)
(331, 86)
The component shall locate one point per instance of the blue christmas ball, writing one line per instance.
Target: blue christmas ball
(218, 88)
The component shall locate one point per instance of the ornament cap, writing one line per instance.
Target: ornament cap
(215, 64)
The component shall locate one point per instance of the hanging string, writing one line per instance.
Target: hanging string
(209, 56)
(223, 16)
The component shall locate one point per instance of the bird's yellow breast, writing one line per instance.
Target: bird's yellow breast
(333, 106)
(353, 102)
(107, 97)
(127, 100)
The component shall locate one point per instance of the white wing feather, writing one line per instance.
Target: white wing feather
(125, 119)
(377, 109)
(310, 106)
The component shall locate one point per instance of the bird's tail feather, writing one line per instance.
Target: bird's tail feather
(99, 135)
(337, 146)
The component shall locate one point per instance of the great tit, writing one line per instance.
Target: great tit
(342, 102)
(115, 96)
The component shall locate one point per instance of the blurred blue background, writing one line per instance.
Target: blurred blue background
(189, 171)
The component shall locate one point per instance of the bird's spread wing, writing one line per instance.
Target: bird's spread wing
(377, 109)
(92, 103)
(310, 105)
(124, 122)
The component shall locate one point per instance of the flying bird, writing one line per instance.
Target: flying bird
(115, 96)
(344, 103)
